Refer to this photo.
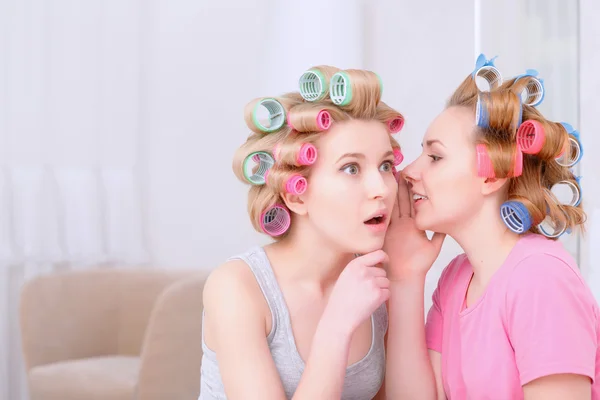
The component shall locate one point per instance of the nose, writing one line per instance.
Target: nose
(411, 173)
(377, 187)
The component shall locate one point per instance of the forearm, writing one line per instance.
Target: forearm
(323, 377)
(409, 374)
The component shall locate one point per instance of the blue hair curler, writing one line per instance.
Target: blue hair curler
(486, 69)
(572, 197)
(482, 115)
(570, 130)
(550, 229)
(515, 216)
(567, 159)
(534, 92)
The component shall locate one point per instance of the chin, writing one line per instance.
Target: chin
(369, 245)
(425, 225)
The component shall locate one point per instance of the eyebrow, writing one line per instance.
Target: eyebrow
(430, 142)
(362, 156)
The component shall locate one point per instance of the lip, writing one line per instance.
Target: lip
(419, 202)
(383, 212)
(380, 227)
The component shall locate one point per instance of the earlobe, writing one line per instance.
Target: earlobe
(491, 185)
(294, 203)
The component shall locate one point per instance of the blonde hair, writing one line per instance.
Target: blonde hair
(505, 111)
(327, 95)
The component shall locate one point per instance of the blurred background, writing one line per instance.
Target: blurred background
(119, 119)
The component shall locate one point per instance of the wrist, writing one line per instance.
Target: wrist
(330, 326)
(408, 278)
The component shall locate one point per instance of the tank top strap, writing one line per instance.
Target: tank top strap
(259, 264)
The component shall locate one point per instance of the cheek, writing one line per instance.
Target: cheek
(451, 188)
(327, 199)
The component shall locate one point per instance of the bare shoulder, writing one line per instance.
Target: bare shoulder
(232, 286)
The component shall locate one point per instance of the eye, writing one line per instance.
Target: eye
(434, 158)
(351, 169)
(387, 166)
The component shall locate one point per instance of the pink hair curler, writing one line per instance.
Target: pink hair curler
(275, 220)
(324, 120)
(531, 136)
(398, 157)
(307, 154)
(296, 184)
(395, 125)
(485, 168)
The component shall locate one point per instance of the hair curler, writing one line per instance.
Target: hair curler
(533, 93)
(275, 220)
(307, 155)
(552, 229)
(571, 156)
(296, 184)
(485, 168)
(340, 89)
(313, 85)
(573, 192)
(276, 115)
(398, 156)
(531, 136)
(486, 70)
(482, 115)
(323, 120)
(395, 125)
(256, 166)
(515, 216)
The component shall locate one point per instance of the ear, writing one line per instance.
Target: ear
(492, 185)
(294, 203)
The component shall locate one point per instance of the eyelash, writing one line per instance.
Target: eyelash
(434, 158)
(390, 162)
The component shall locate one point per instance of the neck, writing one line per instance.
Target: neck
(306, 258)
(487, 243)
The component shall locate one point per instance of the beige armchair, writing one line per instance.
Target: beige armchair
(113, 334)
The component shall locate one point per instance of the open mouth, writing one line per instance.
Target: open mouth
(418, 198)
(376, 220)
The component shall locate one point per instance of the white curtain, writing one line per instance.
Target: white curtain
(70, 174)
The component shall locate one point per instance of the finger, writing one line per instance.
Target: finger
(382, 282)
(412, 204)
(373, 258)
(375, 272)
(385, 295)
(395, 210)
(403, 199)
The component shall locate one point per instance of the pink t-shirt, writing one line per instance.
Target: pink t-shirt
(537, 317)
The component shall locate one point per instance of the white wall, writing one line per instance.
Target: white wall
(202, 63)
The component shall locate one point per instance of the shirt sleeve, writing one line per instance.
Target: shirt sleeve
(434, 326)
(551, 319)
(434, 323)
